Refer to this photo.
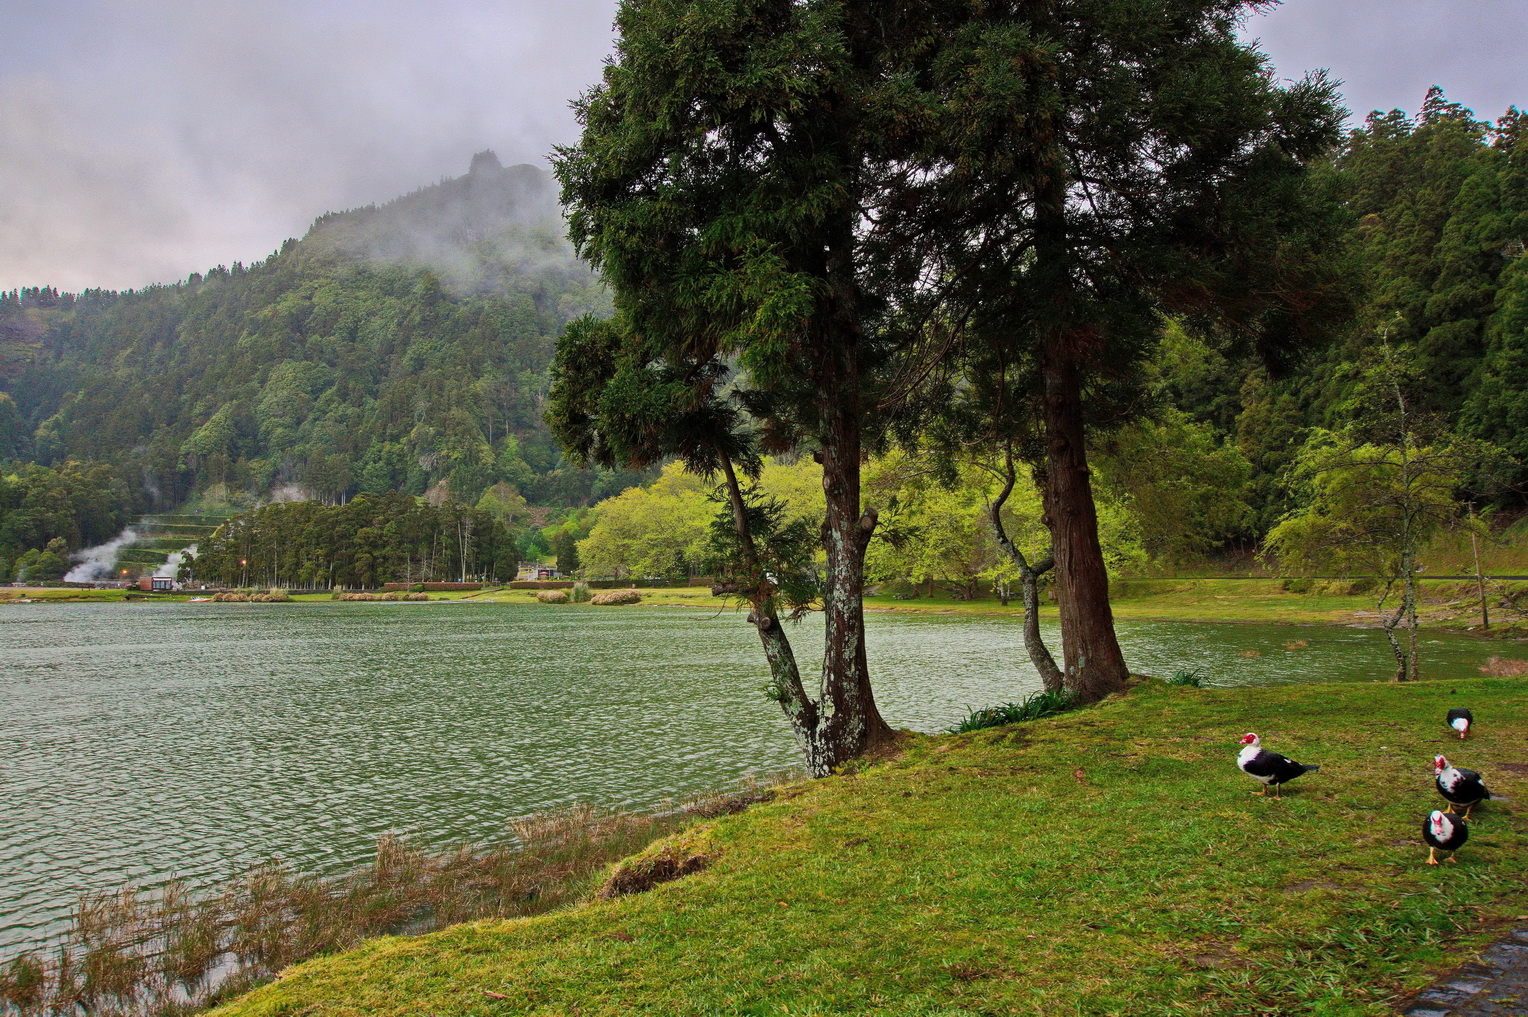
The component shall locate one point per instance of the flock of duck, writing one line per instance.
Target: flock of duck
(1441, 831)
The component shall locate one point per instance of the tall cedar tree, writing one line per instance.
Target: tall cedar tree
(1108, 161)
(733, 170)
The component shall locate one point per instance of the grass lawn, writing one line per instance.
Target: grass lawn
(1110, 861)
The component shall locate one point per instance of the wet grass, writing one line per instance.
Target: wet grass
(1107, 861)
(172, 952)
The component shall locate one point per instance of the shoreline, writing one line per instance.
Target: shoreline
(1254, 602)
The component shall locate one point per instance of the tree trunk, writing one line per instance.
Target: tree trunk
(1480, 579)
(850, 719)
(1051, 677)
(785, 675)
(1409, 606)
(1395, 644)
(1094, 665)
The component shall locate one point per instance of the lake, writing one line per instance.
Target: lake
(139, 741)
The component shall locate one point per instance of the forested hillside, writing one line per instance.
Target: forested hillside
(394, 348)
(1438, 209)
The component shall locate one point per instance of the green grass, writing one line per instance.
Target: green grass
(1034, 707)
(1107, 861)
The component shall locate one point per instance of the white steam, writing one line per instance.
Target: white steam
(95, 563)
(172, 564)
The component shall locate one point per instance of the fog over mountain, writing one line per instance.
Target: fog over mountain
(147, 139)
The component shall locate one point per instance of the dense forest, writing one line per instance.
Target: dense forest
(405, 348)
(369, 541)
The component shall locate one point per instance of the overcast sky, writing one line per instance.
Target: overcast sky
(141, 140)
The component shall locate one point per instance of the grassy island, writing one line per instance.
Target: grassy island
(1109, 861)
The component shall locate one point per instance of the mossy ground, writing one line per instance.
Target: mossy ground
(1110, 861)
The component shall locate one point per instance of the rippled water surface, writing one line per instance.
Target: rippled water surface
(140, 741)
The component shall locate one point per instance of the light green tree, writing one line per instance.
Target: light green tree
(1186, 491)
(641, 530)
(1370, 497)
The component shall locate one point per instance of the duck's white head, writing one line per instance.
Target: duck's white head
(1462, 725)
(1250, 738)
(1439, 823)
(1439, 764)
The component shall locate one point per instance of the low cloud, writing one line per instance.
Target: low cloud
(147, 139)
(166, 137)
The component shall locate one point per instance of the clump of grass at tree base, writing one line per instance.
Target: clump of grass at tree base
(1034, 707)
(1107, 861)
(1191, 678)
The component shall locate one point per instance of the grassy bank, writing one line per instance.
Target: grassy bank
(1110, 861)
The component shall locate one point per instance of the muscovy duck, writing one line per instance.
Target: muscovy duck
(1458, 785)
(1460, 720)
(1269, 767)
(1442, 832)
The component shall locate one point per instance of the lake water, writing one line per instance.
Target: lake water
(143, 740)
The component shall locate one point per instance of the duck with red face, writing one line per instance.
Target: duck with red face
(1460, 720)
(1443, 832)
(1458, 786)
(1268, 767)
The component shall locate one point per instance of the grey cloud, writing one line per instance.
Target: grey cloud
(145, 139)
(193, 134)
(1388, 52)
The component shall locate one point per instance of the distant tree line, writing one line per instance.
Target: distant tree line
(371, 540)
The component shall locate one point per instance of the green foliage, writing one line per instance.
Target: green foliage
(62, 509)
(1365, 506)
(783, 566)
(372, 540)
(566, 549)
(1186, 490)
(641, 531)
(1034, 707)
(933, 530)
(1191, 678)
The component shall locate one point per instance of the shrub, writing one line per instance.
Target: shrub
(605, 597)
(552, 596)
(1501, 667)
(1034, 707)
(417, 596)
(580, 593)
(231, 598)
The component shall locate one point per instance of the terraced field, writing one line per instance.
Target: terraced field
(159, 536)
